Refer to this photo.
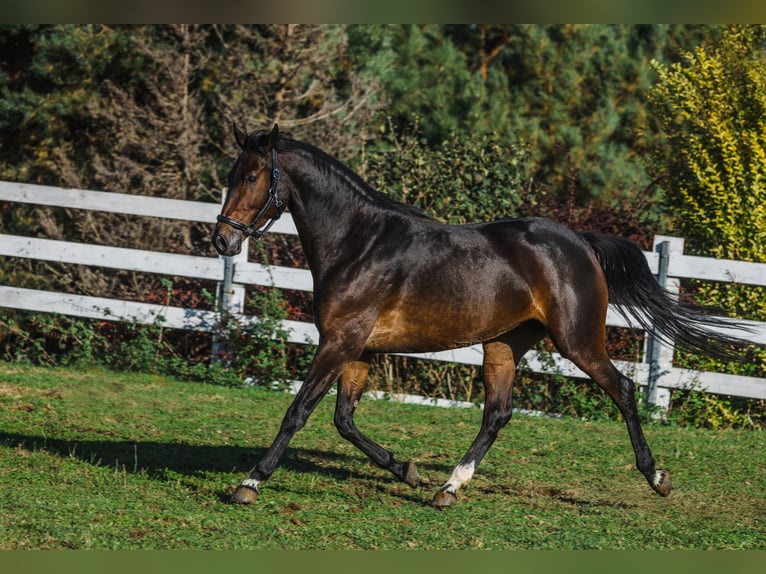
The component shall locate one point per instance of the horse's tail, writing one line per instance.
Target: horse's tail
(632, 287)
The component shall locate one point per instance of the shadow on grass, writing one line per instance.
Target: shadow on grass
(157, 459)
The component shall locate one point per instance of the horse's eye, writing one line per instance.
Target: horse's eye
(251, 179)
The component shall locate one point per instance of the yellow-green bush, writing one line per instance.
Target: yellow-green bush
(712, 108)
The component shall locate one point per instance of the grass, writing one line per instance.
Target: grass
(95, 459)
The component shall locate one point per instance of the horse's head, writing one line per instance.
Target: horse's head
(254, 199)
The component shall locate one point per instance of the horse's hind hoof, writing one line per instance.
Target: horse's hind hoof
(244, 495)
(661, 482)
(411, 476)
(443, 499)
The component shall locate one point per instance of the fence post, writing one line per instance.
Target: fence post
(229, 298)
(660, 353)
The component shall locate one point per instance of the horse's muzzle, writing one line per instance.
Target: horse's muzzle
(228, 246)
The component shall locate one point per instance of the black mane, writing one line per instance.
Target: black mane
(258, 142)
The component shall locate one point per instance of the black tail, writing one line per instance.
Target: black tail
(633, 287)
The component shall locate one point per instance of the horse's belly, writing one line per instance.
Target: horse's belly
(426, 329)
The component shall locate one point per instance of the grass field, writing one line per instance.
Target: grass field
(94, 459)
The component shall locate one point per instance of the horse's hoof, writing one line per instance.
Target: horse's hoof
(443, 499)
(661, 482)
(411, 476)
(244, 495)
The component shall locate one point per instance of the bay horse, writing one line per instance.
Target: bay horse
(388, 278)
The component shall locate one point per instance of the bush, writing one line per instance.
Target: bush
(699, 409)
(464, 180)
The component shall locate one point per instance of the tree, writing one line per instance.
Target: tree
(424, 76)
(571, 95)
(300, 76)
(148, 110)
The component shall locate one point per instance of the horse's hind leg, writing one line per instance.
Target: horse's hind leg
(350, 387)
(622, 390)
(500, 359)
(591, 357)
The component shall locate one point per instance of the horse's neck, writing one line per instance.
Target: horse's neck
(332, 215)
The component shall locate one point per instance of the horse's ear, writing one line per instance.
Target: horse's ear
(240, 136)
(274, 137)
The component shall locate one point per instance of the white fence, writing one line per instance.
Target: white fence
(656, 372)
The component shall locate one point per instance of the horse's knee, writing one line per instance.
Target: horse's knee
(344, 424)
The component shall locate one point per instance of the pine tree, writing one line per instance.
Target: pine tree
(572, 95)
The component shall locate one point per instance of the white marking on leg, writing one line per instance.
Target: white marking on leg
(460, 477)
(658, 477)
(251, 482)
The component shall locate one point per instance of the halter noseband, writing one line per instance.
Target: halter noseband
(273, 197)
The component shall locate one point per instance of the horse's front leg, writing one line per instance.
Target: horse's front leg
(329, 361)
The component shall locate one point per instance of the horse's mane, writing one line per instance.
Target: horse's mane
(258, 141)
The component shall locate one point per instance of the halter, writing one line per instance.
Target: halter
(249, 230)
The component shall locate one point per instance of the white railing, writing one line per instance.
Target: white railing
(656, 371)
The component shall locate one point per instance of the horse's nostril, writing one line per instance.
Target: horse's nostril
(220, 243)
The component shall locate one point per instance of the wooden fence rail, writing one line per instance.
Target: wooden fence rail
(655, 371)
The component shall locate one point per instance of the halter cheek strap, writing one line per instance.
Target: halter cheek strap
(273, 198)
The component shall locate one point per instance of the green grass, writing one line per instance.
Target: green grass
(95, 459)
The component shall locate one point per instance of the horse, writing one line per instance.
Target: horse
(388, 278)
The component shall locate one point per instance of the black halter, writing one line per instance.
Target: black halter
(273, 197)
